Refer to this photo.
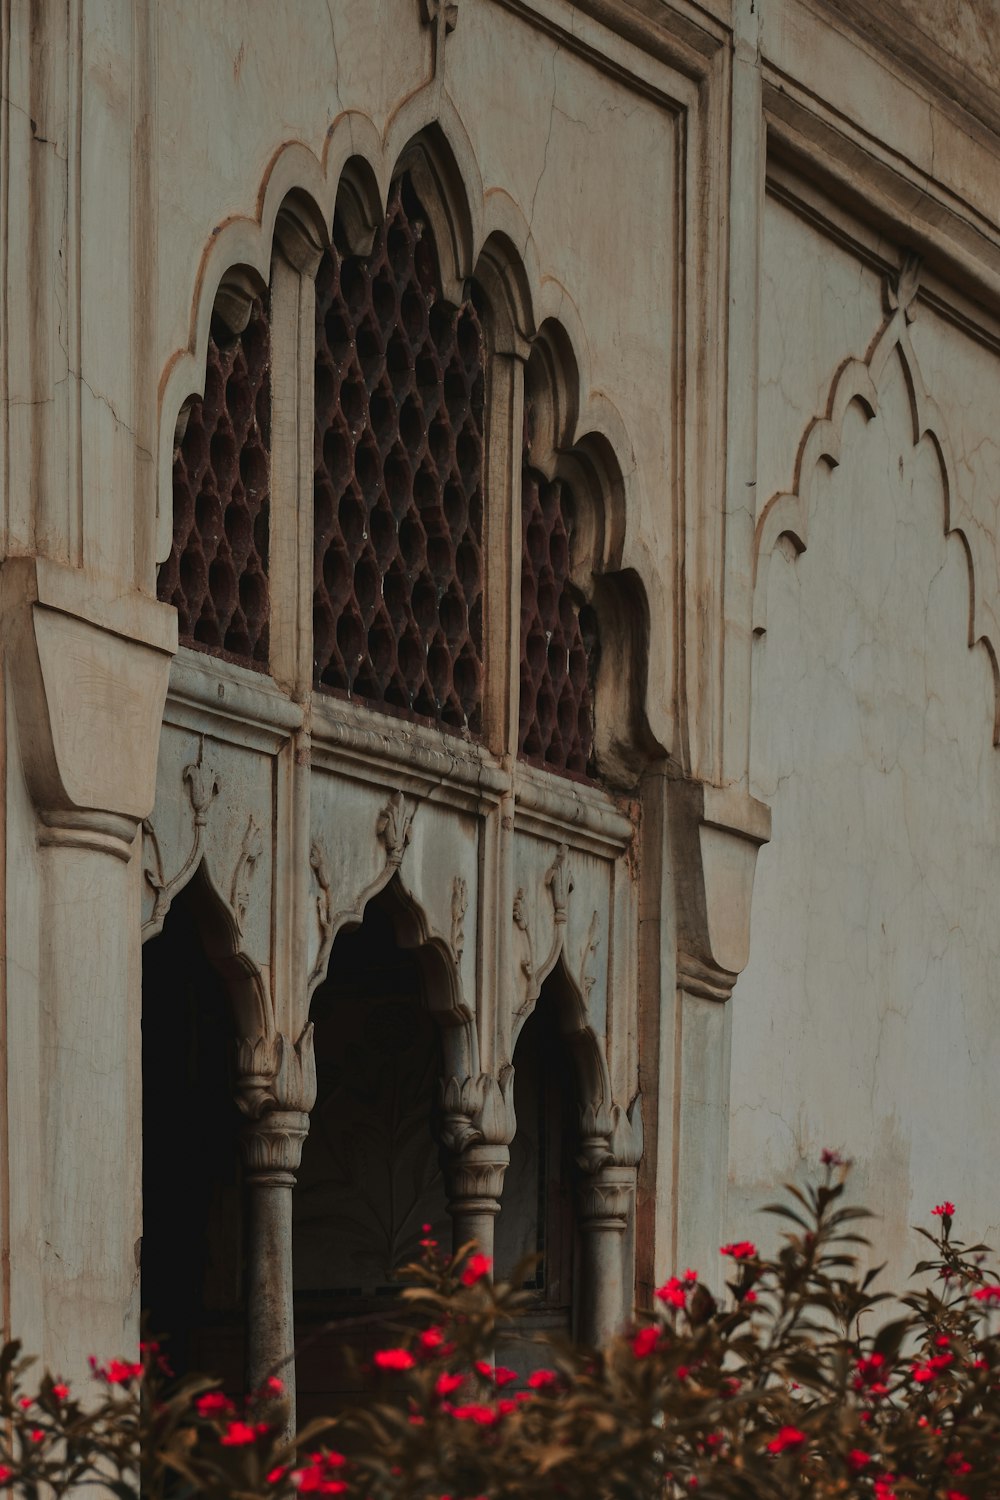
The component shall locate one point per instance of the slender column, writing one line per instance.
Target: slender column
(606, 1202)
(610, 1151)
(276, 1088)
(475, 1182)
(477, 1128)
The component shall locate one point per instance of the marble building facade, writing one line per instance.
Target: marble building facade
(500, 661)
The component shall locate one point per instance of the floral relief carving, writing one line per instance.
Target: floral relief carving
(394, 827)
(203, 784)
(432, 12)
(588, 978)
(459, 906)
(559, 879)
(324, 914)
(246, 865)
(521, 923)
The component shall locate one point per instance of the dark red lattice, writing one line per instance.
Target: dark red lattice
(558, 634)
(216, 574)
(397, 602)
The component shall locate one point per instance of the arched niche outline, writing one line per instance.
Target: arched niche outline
(480, 235)
(859, 382)
(220, 934)
(436, 962)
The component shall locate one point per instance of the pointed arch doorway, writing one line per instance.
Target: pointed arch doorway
(372, 1172)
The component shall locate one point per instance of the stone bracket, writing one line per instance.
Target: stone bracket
(89, 666)
(715, 833)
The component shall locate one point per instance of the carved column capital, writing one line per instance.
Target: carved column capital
(274, 1073)
(272, 1146)
(477, 1109)
(475, 1179)
(606, 1199)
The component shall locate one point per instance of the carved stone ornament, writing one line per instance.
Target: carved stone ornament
(459, 906)
(477, 1111)
(559, 880)
(202, 783)
(431, 11)
(324, 914)
(610, 1135)
(521, 923)
(273, 1073)
(246, 864)
(394, 827)
(610, 1151)
(588, 978)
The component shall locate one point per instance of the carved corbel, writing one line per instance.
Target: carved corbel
(83, 653)
(275, 1089)
(715, 835)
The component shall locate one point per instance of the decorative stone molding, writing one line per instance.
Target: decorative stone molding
(587, 977)
(394, 827)
(521, 923)
(606, 1198)
(715, 835)
(859, 382)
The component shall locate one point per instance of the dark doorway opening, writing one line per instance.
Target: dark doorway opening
(537, 1214)
(192, 1195)
(371, 1170)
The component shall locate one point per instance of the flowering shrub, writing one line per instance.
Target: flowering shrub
(790, 1386)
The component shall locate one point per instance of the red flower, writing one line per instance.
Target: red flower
(690, 1275)
(317, 1477)
(239, 1434)
(485, 1416)
(214, 1404)
(431, 1340)
(987, 1294)
(857, 1459)
(276, 1475)
(446, 1384)
(116, 1371)
(61, 1392)
(5, 1473)
(788, 1437)
(272, 1386)
(500, 1375)
(37, 1435)
(672, 1292)
(944, 1210)
(476, 1267)
(24, 1402)
(394, 1359)
(832, 1158)
(644, 1341)
(542, 1380)
(740, 1250)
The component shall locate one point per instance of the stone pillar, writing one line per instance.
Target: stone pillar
(610, 1150)
(276, 1089)
(88, 665)
(605, 1204)
(477, 1127)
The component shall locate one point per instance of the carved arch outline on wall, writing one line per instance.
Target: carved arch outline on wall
(480, 234)
(415, 932)
(221, 934)
(787, 514)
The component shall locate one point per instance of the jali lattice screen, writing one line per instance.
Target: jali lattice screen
(559, 639)
(216, 574)
(397, 602)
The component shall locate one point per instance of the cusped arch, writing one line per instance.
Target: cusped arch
(859, 382)
(435, 958)
(584, 1046)
(221, 937)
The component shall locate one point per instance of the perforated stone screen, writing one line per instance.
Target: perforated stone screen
(216, 574)
(397, 602)
(559, 641)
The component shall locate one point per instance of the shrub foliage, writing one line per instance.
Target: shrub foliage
(797, 1383)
